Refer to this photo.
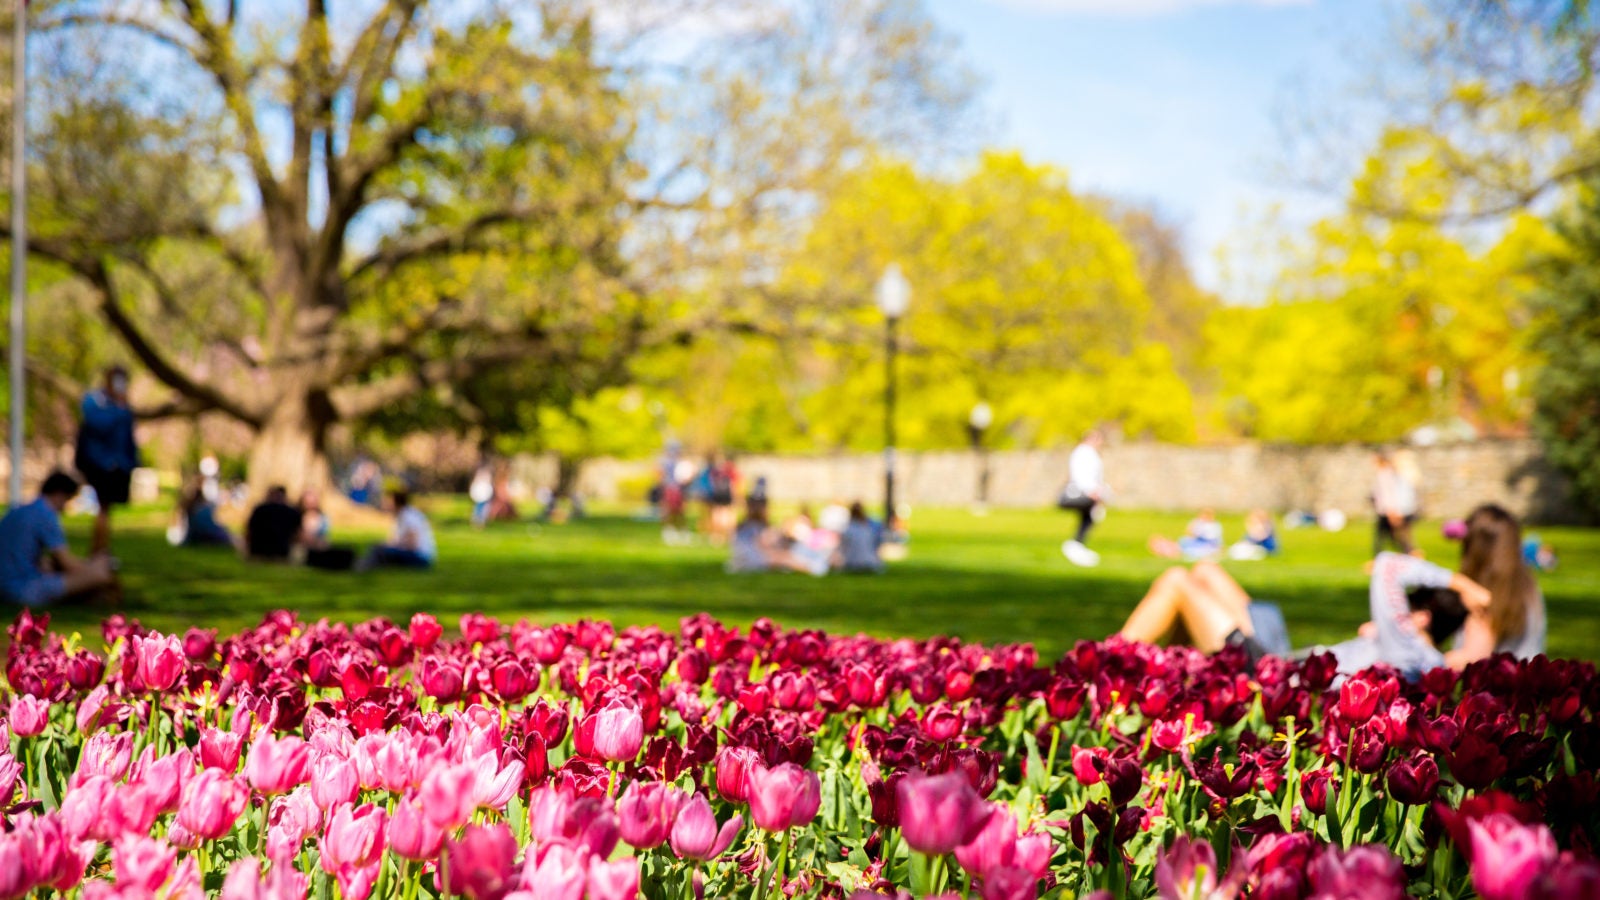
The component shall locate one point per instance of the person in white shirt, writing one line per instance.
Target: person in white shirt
(411, 544)
(1085, 494)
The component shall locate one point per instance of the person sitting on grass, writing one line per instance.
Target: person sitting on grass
(36, 568)
(197, 517)
(859, 543)
(273, 529)
(1260, 538)
(411, 544)
(1202, 539)
(756, 547)
(1415, 606)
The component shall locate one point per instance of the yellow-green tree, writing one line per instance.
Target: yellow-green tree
(1024, 295)
(1385, 324)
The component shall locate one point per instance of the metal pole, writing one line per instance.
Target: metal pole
(19, 242)
(891, 347)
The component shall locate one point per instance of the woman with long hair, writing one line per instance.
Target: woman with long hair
(1514, 620)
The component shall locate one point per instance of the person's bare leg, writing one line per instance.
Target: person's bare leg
(1212, 611)
(1164, 546)
(1155, 615)
(1216, 581)
(100, 540)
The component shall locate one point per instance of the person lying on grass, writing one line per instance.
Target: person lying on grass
(1416, 606)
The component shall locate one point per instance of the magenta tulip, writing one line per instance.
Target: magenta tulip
(143, 863)
(646, 812)
(220, 749)
(333, 781)
(618, 880)
(939, 813)
(1188, 869)
(695, 834)
(480, 863)
(1508, 856)
(784, 796)
(447, 795)
(556, 872)
(28, 715)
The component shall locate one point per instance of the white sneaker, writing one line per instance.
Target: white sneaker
(1079, 555)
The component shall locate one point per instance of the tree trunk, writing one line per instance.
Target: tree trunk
(291, 448)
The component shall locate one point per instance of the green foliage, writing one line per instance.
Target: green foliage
(1567, 388)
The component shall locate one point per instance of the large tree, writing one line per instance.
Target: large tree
(297, 217)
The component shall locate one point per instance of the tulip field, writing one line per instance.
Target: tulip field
(497, 760)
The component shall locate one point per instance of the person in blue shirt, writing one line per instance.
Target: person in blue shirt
(31, 536)
(107, 453)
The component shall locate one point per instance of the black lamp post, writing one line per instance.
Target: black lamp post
(894, 297)
(978, 422)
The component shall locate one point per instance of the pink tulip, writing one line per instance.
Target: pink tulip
(939, 813)
(695, 834)
(557, 816)
(354, 838)
(105, 754)
(211, 803)
(333, 781)
(83, 809)
(783, 797)
(161, 660)
(142, 862)
(998, 845)
(220, 749)
(1365, 872)
(293, 818)
(412, 835)
(618, 733)
(480, 863)
(646, 812)
(17, 876)
(276, 765)
(165, 778)
(29, 715)
(244, 882)
(493, 784)
(556, 872)
(10, 774)
(1508, 856)
(130, 809)
(446, 796)
(1009, 883)
(356, 882)
(1188, 871)
(617, 880)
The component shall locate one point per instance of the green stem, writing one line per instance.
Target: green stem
(780, 868)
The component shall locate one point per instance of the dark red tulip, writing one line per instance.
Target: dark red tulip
(1476, 763)
(510, 680)
(1414, 779)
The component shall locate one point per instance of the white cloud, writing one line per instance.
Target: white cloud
(1135, 8)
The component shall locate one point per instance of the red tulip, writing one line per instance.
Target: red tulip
(220, 749)
(940, 813)
(940, 722)
(425, 630)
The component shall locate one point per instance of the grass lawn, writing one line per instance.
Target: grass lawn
(995, 578)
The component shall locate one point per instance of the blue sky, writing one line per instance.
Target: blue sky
(1174, 102)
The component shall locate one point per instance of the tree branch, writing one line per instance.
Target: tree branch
(461, 239)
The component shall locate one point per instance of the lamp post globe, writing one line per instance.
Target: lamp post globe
(894, 292)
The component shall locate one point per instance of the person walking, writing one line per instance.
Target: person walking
(1395, 505)
(106, 452)
(1084, 494)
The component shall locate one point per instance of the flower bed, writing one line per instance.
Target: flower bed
(571, 761)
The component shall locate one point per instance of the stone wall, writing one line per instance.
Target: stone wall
(1148, 476)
